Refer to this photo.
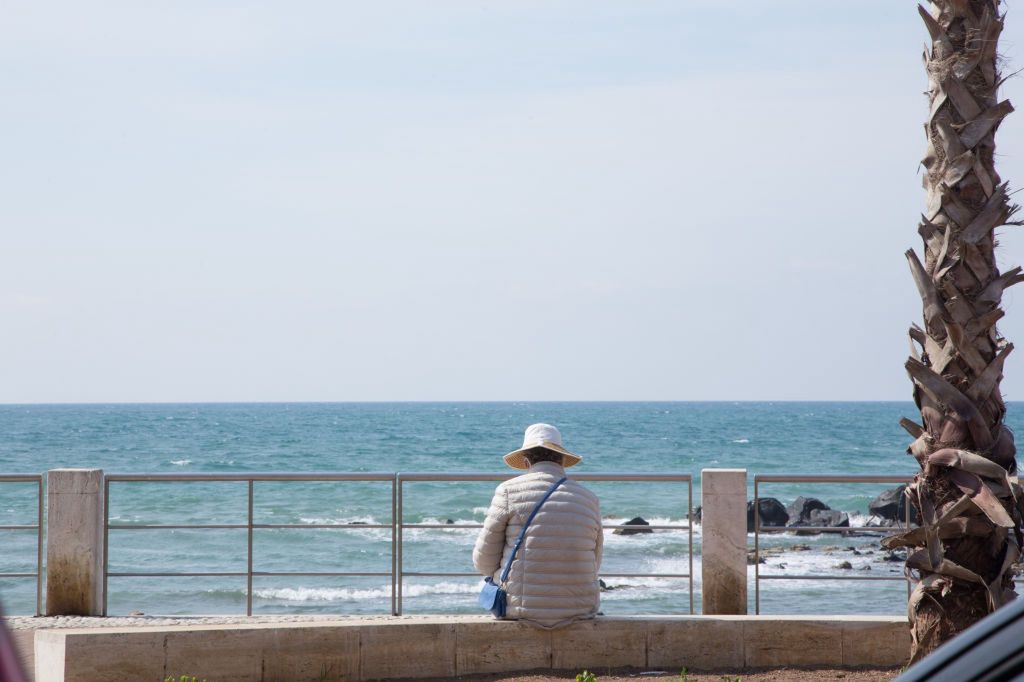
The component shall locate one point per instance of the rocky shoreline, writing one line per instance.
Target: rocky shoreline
(887, 510)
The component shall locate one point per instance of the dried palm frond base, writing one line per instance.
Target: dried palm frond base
(967, 493)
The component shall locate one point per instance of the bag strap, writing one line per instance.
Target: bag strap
(522, 533)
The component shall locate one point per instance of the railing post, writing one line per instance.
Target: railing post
(724, 541)
(74, 542)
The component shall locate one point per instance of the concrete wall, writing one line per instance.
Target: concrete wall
(74, 542)
(723, 541)
(387, 648)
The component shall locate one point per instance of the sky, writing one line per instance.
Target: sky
(467, 200)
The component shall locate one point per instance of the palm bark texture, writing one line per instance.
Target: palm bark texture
(967, 493)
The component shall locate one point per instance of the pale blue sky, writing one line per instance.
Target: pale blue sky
(456, 200)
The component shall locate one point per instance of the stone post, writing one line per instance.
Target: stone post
(724, 544)
(74, 542)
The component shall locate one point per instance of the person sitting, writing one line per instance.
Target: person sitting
(553, 579)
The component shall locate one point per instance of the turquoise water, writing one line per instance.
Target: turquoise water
(795, 438)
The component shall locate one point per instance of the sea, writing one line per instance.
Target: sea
(784, 438)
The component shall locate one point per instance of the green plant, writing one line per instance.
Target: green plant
(183, 678)
(683, 677)
(586, 676)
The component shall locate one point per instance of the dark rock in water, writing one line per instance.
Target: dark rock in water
(696, 514)
(891, 507)
(771, 511)
(894, 556)
(449, 522)
(635, 521)
(845, 565)
(887, 505)
(800, 510)
(604, 586)
(829, 518)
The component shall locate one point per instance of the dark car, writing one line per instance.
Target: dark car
(991, 650)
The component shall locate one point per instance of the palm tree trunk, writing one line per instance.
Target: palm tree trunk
(966, 493)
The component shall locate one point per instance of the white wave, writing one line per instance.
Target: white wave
(333, 594)
(654, 587)
(826, 562)
(742, 440)
(180, 462)
(859, 519)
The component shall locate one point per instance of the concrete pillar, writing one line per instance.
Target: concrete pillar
(74, 542)
(724, 541)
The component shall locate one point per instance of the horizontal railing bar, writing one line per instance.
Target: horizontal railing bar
(651, 527)
(814, 478)
(19, 575)
(20, 478)
(312, 476)
(442, 525)
(323, 574)
(874, 530)
(645, 575)
(353, 526)
(680, 478)
(19, 527)
(830, 577)
(179, 575)
(175, 526)
(480, 525)
(603, 575)
(575, 476)
(239, 526)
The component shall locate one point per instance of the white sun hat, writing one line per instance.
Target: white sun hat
(540, 436)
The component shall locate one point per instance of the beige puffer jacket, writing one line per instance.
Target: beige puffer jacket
(553, 580)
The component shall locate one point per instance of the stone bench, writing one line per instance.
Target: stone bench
(448, 646)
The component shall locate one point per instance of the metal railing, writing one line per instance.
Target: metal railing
(758, 529)
(397, 525)
(249, 526)
(681, 478)
(37, 526)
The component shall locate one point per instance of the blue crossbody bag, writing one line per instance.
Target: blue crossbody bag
(492, 595)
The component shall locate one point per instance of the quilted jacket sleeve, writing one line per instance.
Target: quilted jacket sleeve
(490, 544)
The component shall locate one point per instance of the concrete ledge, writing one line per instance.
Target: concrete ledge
(24, 646)
(436, 646)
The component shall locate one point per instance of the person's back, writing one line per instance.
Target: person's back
(554, 577)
